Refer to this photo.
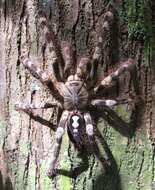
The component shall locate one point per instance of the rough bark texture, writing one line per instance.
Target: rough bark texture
(26, 145)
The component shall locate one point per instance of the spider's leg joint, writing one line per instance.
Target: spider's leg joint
(89, 130)
(100, 102)
(110, 103)
(59, 133)
(89, 126)
(65, 115)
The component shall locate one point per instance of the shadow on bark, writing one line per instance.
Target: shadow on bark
(7, 185)
(111, 178)
(126, 129)
(41, 120)
(77, 170)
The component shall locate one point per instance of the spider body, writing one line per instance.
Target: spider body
(76, 94)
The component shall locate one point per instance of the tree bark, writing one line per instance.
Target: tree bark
(26, 145)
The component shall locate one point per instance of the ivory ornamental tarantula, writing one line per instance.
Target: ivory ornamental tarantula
(74, 86)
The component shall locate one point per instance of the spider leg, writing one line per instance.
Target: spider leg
(51, 37)
(54, 86)
(36, 117)
(103, 38)
(96, 58)
(100, 102)
(58, 139)
(43, 105)
(89, 127)
(90, 133)
(83, 68)
(109, 81)
(69, 58)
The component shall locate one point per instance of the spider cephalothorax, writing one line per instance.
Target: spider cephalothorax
(74, 86)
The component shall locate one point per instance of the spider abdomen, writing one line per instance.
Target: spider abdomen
(76, 127)
(75, 96)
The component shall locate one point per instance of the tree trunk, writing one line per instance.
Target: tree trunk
(26, 145)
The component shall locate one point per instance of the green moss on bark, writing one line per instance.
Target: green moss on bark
(139, 18)
(130, 158)
(65, 182)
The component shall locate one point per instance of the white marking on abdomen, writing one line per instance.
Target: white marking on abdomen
(75, 130)
(75, 123)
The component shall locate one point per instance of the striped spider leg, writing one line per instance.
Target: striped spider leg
(53, 85)
(57, 145)
(109, 81)
(107, 24)
(50, 37)
(65, 56)
(42, 105)
(89, 126)
(91, 137)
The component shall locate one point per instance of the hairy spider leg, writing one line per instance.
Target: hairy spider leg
(51, 37)
(83, 68)
(96, 58)
(100, 102)
(42, 105)
(90, 133)
(69, 59)
(97, 55)
(89, 126)
(54, 86)
(110, 103)
(108, 81)
(58, 139)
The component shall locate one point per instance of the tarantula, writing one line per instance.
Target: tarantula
(74, 86)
